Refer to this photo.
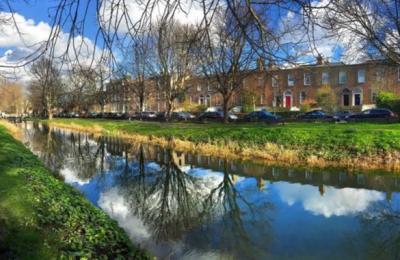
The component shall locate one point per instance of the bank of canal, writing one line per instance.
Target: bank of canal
(190, 206)
(353, 146)
(43, 218)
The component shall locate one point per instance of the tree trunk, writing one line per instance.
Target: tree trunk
(49, 110)
(169, 109)
(225, 110)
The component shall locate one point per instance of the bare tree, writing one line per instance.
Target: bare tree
(373, 25)
(226, 56)
(46, 87)
(84, 89)
(12, 98)
(139, 65)
(176, 47)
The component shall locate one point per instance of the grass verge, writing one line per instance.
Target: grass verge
(43, 218)
(353, 145)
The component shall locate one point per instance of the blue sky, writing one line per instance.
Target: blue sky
(34, 22)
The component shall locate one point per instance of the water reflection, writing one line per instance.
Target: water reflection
(189, 206)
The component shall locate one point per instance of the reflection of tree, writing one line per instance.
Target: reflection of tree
(165, 200)
(172, 202)
(237, 213)
(74, 151)
(382, 229)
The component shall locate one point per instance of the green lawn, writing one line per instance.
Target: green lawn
(328, 140)
(43, 218)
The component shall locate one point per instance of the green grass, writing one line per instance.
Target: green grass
(328, 140)
(43, 218)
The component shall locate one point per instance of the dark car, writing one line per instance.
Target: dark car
(342, 115)
(375, 114)
(182, 116)
(213, 116)
(148, 115)
(262, 116)
(315, 115)
(216, 116)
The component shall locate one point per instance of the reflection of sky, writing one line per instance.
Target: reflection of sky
(281, 219)
(334, 202)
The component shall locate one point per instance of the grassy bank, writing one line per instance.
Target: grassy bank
(360, 145)
(43, 218)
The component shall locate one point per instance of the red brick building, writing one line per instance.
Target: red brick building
(355, 85)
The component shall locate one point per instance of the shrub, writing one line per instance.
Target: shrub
(249, 101)
(388, 100)
(307, 105)
(326, 98)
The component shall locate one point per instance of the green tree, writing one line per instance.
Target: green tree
(386, 99)
(326, 98)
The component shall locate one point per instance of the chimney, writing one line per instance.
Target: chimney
(260, 64)
(319, 59)
(271, 64)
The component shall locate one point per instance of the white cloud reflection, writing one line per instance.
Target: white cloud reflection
(334, 202)
(71, 177)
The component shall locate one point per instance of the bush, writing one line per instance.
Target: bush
(307, 105)
(326, 98)
(388, 100)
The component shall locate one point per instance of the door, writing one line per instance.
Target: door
(288, 101)
(346, 100)
(357, 99)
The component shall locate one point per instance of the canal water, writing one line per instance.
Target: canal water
(187, 206)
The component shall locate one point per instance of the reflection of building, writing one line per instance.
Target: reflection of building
(354, 85)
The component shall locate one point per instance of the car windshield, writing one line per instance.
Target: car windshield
(366, 112)
(266, 113)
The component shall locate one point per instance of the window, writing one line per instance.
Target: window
(361, 76)
(262, 99)
(208, 87)
(290, 80)
(302, 97)
(379, 74)
(277, 102)
(275, 81)
(198, 87)
(244, 82)
(342, 77)
(325, 78)
(398, 74)
(374, 96)
(307, 78)
(201, 100)
(260, 81)
(208, 100)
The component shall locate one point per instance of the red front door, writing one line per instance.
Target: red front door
(288, 101)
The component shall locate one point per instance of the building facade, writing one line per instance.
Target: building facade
(356, 86)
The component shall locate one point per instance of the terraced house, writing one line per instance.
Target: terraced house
(356, 87)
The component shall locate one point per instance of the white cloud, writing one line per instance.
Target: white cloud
(28, 38)
(334, 202)
(189, 12)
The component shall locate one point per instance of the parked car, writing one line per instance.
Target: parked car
(95, 115)
(375, 114)
(148, 115)
(72, 115)
(342, 115)
(262, 116)
(315, 115)
(182, 116)
(216, 116)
